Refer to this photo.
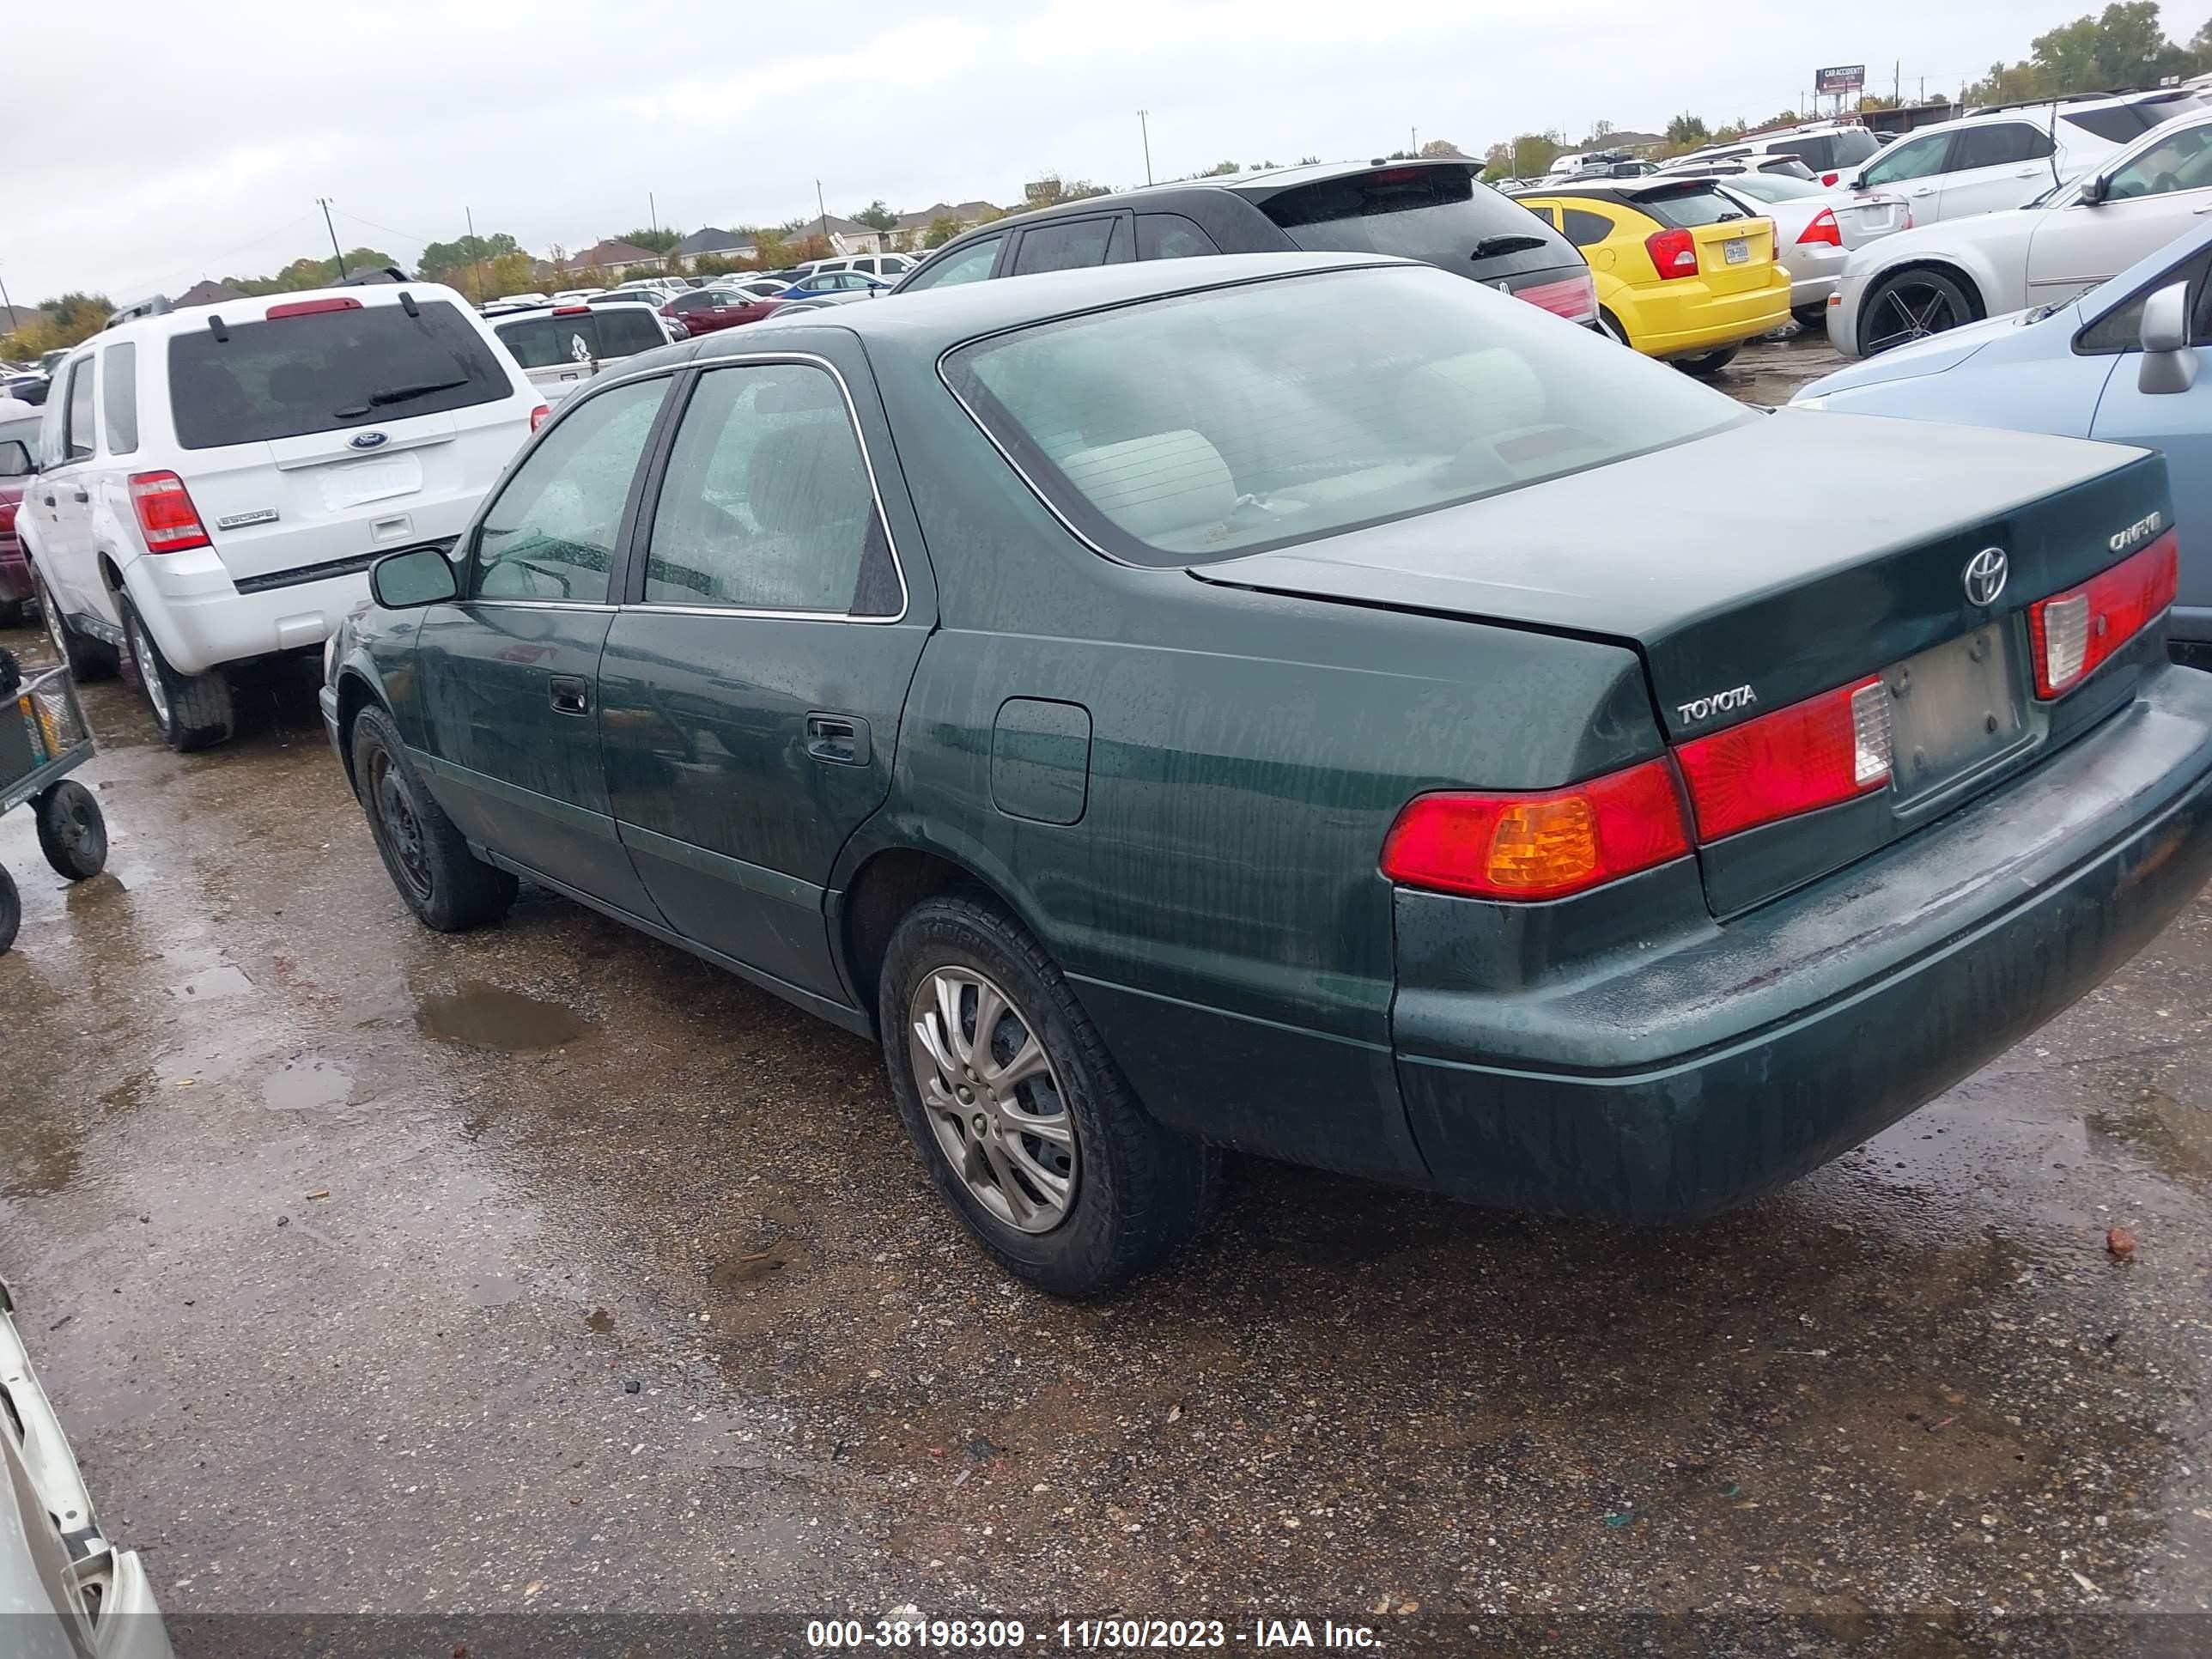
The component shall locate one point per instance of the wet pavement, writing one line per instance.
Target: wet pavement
(546, 1268)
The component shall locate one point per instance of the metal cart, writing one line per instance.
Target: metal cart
(44, 739)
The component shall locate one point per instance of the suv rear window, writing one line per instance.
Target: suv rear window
(326, 371)
(1429, 212)
(1684, 205)
(2123, 123)
(547, 340)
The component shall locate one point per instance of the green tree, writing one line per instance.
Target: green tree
(1532, 152)
(1445, 148)
(2124, 45)
(1220, 170)
(876, 217)
(1051, 189)
(308, 271)
(1686, 129)
(442, 261)
(942, 229)
(58, 322)
(660, 239)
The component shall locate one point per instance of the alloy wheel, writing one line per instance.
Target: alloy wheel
(1910, 311)
(150, 672)
(52, 613)
(992, 1098)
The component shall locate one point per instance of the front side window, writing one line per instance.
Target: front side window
(2182, 161)
(78, 437)
(118, 393)
(1199, 427)
(550, 535)
(1915, 158)
(973, 263)
(767, 504)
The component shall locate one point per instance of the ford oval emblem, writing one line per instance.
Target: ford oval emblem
(367, 440)
(1985, 576)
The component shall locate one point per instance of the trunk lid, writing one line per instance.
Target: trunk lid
(1742, 594)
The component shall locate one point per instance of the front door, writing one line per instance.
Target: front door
(62, 497)
(508, 674)
(2159, 195)
(753, 680)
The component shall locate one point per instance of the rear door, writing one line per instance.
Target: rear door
(755, 676)
(1100, 239)
(508, 674)
(1995, 165)
(62, 498)
(314, 431)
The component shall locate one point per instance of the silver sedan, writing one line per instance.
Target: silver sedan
(1815, 230)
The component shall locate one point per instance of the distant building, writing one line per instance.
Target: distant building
(206, 292)
(725, 244)
(912, 227)
(614, 255)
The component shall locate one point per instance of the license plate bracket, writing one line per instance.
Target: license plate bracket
(1953, 708)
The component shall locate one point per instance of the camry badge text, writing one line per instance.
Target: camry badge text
(2140, 530)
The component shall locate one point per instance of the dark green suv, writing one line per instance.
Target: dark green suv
(1308, 704)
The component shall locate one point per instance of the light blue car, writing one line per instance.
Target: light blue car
(2120, 362)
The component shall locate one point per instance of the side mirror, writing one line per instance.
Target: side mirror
(415, 577)
(2169, 361)
(2093, 189)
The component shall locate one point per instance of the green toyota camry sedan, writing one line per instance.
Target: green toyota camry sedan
(1312, 705)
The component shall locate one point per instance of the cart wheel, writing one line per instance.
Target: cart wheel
(72, 833)
(11, 910)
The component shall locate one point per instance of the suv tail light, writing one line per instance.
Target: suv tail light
(539, 416)
(1824, 229)
(1816, 753)
(167, 517)
(1539, 846)
(1673, 253)
(2075, 632)
(309, 307)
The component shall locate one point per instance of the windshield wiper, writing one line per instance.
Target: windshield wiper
(399, 394)
(1514, 241)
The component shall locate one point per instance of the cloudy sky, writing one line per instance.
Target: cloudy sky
(177, 142)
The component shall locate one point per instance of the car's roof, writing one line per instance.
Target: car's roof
(936, 319)
(178, 320)
(1644, 187)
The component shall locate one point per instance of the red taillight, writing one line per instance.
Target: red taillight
(1574, 298)
(1539, 846)
(167, 517)
(2075, 632)
(1823, 229)
(1815, 753)
(539, 416)
(309, 307)
(1829, 178)
(1673, 253)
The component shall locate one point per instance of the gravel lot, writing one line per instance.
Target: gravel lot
(546, 1268)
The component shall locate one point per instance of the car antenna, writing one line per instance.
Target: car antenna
(2050, 136)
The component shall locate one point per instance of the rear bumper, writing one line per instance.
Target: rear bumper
(1705, 1070)
(201, 621)
(1678, 326)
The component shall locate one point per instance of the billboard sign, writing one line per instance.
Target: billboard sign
(1847, 77)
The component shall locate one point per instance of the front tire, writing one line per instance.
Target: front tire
(448, 888)
(194, 711)
(11, 911)
(72, 833)
(1912, 305)
(86, 658)
(1028, 1127)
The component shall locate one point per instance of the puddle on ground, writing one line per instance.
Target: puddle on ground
(213, 985)
(2172, 1135)
(484, 1016)
(497, 1291)
(306, 1086)
(599, 1321)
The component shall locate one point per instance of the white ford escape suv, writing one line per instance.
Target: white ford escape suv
(215, 481)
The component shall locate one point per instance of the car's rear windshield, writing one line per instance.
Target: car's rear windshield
(1431, 212)
(327, 370)
(1772, 187)
(1852, 147)
(1682, 206)
(2123, 123)
(548, 339)
(1203, 426)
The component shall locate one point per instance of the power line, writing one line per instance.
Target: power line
(203, 263)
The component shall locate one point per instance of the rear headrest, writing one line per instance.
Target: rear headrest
(1166, 488)
(1477, 394)
(805, 475)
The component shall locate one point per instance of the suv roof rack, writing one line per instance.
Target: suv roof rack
(153, 308)
(2080, 98)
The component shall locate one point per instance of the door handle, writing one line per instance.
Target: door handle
(82, 495)
(569, 695)
(837, 739)
(48, 498)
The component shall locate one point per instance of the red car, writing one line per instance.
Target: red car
(18, 441)
(705, 310)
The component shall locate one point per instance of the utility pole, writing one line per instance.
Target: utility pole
(1896, 83)
(324, 203)
(1414, 133)
(1145, 132)
(653, 218)
(825, 215)
(6, 305)
(478, 248)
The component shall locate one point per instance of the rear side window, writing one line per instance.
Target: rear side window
(1069, 246)
(1435, 213)
(79, 430)
(1815, 152)
(326, 371)
(1683, 206)
(1585, 229)
(1848, 149)
(1170, 236)
(119, 391)
(767, 504)
(2000, 144)
(2123, 123)
(972, 264)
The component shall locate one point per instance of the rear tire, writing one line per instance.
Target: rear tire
(86, 658)
(1707, 362)
(1096, 1191)
(449, 889)
(11, 910)
(194, 711)
(1814, 319)
(72, 833)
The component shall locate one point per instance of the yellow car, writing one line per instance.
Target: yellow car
(1682, 272)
